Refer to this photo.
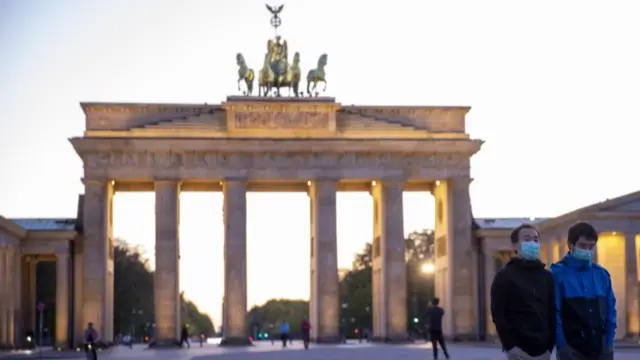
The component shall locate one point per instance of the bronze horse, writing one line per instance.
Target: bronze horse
(244, 73)
(317, 75)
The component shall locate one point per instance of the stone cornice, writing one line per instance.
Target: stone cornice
(12, 228)
(85, 146)
(138, 108)
(348, 134)
(51, 235)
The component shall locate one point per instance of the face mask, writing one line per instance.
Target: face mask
(582, 254)
(530, 250)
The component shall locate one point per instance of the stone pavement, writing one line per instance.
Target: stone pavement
(266, 351)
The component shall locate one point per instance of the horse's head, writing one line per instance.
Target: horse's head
(240, 59)
(296, 58)
(322, 61)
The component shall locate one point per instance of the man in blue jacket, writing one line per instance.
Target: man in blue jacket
(585, 302)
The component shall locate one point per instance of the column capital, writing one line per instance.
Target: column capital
(62, 255)
(97, 181)
(167, 182)
(325, 178)
(234, 179)
(235, 183)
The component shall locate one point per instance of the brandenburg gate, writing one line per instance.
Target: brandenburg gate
(313, 145)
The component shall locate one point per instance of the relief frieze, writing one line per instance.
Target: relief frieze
(212, 160)
(286, 120)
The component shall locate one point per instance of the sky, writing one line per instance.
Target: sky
(553, 85)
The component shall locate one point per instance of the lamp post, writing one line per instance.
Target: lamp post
(427, 268)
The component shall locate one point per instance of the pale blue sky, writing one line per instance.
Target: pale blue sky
(554, 87)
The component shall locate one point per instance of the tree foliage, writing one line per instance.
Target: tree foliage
(133, 295)
(356, 285)
(268, 316)
(133, 288)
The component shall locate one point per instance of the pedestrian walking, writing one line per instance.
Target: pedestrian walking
(434, 318)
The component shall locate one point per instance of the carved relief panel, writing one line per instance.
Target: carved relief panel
(274, 116)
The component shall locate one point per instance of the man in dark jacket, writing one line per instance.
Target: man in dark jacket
(523, 300)
(585, 302)
(434, 321)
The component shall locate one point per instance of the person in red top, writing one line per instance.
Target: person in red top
(306, 330)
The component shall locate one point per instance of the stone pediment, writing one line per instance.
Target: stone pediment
(347, 121)
(625, 206)
(629, 203)
(211, 121)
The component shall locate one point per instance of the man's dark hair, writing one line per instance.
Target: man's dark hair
(582, 229)
(516, 232)
(435, 301)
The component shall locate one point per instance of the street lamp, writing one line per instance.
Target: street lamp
(428, 268)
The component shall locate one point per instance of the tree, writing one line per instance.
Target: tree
(133, 307)
(197, 322)
(356, 285)
(133, 288)
(364, 259)
(268, 316)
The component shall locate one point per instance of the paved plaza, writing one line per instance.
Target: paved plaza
(267, 351)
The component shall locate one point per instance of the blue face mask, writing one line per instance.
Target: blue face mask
(530, 250)
(583, 254)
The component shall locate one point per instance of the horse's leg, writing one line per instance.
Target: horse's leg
(249, 87)
(325, 85)
(308, 85)
(239, 79)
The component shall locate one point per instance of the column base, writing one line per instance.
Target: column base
(330, 339)
(236, 341)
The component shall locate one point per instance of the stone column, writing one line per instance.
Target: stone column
(235, 263)
(633, 291)
(96, 287)
(490, 273)
(10, 296)
(324, 306)
(62, 300)
(389, 272)
(18, 318)
(454, 263)
(550, 257)
(78, 325)
(28, 296)
(4, 294)
(562, 248)
(167, 274)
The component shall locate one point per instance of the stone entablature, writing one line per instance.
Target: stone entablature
(288, 117)
(199, 159)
